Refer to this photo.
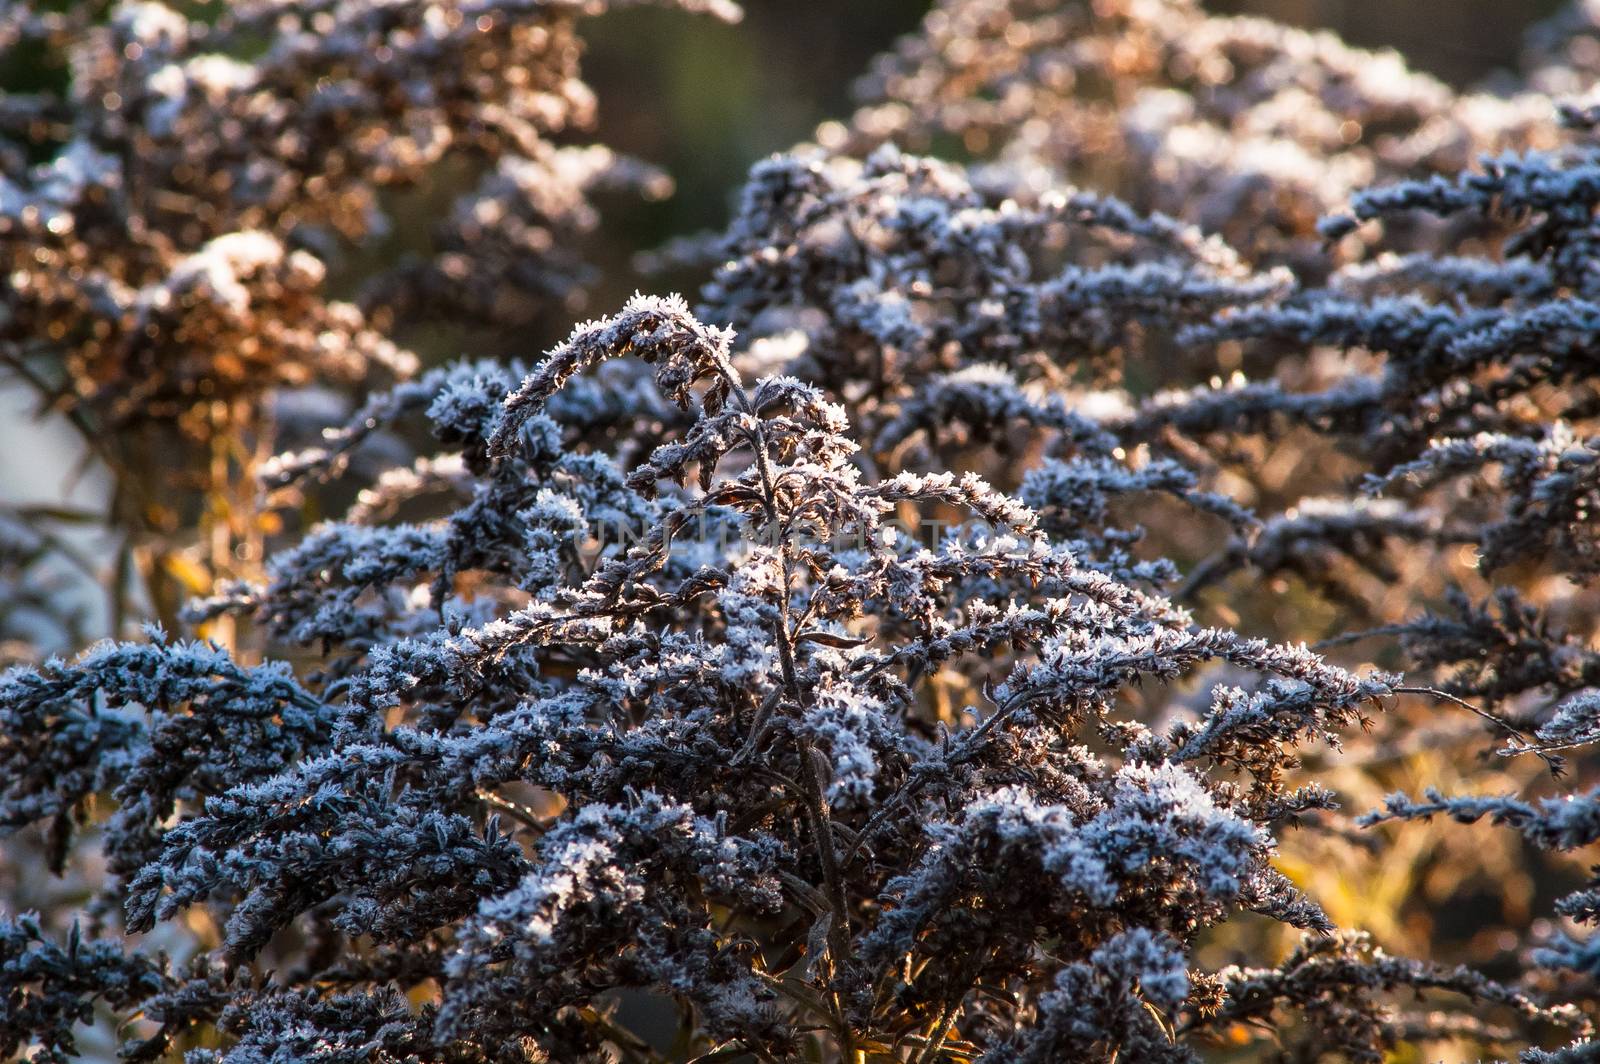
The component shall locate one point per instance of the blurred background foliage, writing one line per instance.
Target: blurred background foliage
(705, 100)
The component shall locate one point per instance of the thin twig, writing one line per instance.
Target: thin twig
(1555, 764)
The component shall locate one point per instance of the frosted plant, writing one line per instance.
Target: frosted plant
(959, 323)
(899, 656)
(1475, 425)
(509, 776)
(815, 781)
(49, 988)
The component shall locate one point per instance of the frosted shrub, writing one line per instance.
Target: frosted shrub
(744, 795)
(903, 654)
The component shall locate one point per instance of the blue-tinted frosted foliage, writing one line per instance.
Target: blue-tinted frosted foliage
(900, 653)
